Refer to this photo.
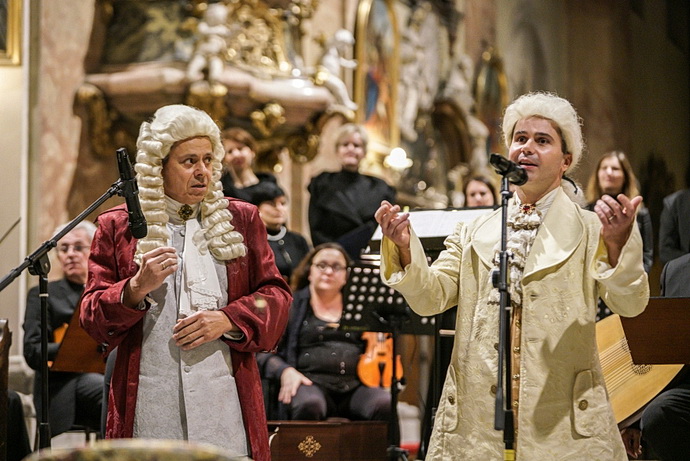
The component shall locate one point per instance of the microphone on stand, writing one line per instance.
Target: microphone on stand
(511, 170)
(130, 191)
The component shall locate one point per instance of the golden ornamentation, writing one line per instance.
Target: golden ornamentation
(309, 446)
(185, 212)
(210, 98)
(98, 117)
(270, 117)
(258, 45)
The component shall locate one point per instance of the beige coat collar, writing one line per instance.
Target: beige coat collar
(557, 238)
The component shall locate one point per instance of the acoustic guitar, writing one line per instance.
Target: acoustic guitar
(630, 387)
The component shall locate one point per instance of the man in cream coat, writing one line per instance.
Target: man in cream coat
(563, 258)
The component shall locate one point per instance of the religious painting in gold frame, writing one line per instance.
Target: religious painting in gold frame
(10, 32)
(376, 78)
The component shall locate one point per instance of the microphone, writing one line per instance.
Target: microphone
(513, 172)
(130, 191)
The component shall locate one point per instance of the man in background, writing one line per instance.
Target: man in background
(75, 398)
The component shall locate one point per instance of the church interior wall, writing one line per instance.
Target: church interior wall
(627, 79)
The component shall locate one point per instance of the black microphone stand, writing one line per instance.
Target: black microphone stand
(503, 416)
(39, 265)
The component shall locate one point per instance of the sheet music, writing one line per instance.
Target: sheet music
(438, 223)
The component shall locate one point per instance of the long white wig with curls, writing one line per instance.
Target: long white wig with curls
(170, 125)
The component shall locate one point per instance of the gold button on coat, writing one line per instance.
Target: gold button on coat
(451, 399)
(583, 404)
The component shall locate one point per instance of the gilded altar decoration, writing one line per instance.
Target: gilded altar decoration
(209, 97)
(100, 123)
(309, 446)
(11, 28)
(268, 118)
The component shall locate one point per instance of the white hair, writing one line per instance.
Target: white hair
(170, 125)
(552, 107)
(86, 226)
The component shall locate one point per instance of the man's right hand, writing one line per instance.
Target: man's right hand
(396, 226)
(290, 381)
(156, 265)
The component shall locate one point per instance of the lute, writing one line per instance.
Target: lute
(630, 386)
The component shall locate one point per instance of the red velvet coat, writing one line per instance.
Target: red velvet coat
(112, 324)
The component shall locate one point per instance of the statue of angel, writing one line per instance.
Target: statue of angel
(332, 61)
(211, 45)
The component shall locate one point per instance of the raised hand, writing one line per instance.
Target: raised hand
(394, 224)
(156, 265)
(617, 217)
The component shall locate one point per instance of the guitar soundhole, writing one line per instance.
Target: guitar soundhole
(637, 369)
(641, 369)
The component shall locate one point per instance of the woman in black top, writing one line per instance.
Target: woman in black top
(316, 361)
(239, 179)
(342, 204)
(614, 175)
(288, 247)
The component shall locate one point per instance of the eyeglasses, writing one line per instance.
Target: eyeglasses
(335, 267)
(76, 247)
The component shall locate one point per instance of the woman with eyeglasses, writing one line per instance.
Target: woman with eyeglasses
(316, 362)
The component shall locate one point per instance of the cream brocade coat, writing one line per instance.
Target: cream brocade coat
(564, 411)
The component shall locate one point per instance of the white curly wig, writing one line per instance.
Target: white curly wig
(170, 125)
(552, 107)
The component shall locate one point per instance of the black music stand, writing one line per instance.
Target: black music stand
(432, 227)
(369, 305)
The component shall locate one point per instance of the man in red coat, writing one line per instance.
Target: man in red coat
(189, 304)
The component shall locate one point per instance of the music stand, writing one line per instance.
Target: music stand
(659, 335)
(368, 302)
(433, 227)
(370, 305)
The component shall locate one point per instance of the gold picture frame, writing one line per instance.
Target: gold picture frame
(376, 77)
(10, 32)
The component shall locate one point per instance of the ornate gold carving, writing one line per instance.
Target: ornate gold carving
(100, 120)
(309, 446)
(267, 119)
(211, 98)
(302, 147)
(257, 44)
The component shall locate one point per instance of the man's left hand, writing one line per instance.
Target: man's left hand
(200, 328)
(617, 217)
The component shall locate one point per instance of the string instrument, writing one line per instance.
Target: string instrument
(630, 386)
(375, 367)
(78, 352)
(58, 335)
